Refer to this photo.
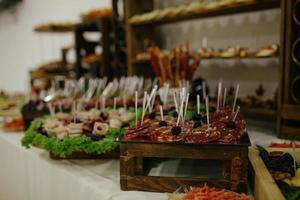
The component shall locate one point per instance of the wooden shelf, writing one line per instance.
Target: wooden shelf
(228, 10)
(147, 61)
(53, 29)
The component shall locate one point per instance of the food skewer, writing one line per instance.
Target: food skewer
(51, 109)
(161, 113)
(207, 111)
(204, 90)
(219, 96)
(186, 105)
(136, 107)
(115, 103)
(175, 102)
(235, 97)
(236, 113)
(144, 105)
(224, 97)
(198, 104)
(103, 103)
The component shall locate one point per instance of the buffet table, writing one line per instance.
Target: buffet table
(32, 175)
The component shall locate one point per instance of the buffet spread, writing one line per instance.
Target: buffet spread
(140, 121)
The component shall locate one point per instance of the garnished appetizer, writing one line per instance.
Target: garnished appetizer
(89, 131)
(223, 124)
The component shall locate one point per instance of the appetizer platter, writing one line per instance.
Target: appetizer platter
(275, 173)
(61, 95)
(84, 126)
(217, 133)
(79, 134)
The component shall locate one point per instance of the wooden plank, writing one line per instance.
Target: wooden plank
(228, 10)
(170, 184)
(135, 37)
(183, 151)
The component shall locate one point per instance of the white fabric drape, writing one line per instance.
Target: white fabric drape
(29, 174)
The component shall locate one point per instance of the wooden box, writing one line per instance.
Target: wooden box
(234, 159)
(264, 186)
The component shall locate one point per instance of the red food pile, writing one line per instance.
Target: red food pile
(210, 193)
(13, 125)
(221, 130)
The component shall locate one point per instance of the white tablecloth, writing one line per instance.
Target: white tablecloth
(29, 174)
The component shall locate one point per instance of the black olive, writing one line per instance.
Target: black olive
(103, 115)
(197, 117)
(163, 123)
(93, 136)
(230, 124)
(176, 130)
(152, 115)
(197, 124)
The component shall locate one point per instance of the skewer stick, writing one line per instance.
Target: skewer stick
(144, 105)
(180, 112)
(149, 102)
(175, 102)
(224, 98)
(103, 101)
(152, 101)
(198, 104)
(235, 97)
(236, 113)
(207, 111)
(166, 92)
(161, 113)
(136, 107)
(186, 105)
(204, 90)
(115, 103)
(219, 96)
(51, 110)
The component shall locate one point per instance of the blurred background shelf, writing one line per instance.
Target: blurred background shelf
(227, 10)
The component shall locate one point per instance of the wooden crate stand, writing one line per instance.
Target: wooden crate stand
(134, 175)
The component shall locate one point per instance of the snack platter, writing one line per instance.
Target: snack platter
(262, 183)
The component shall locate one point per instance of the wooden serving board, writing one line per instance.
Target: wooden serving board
(265, 187)
(134, 176)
